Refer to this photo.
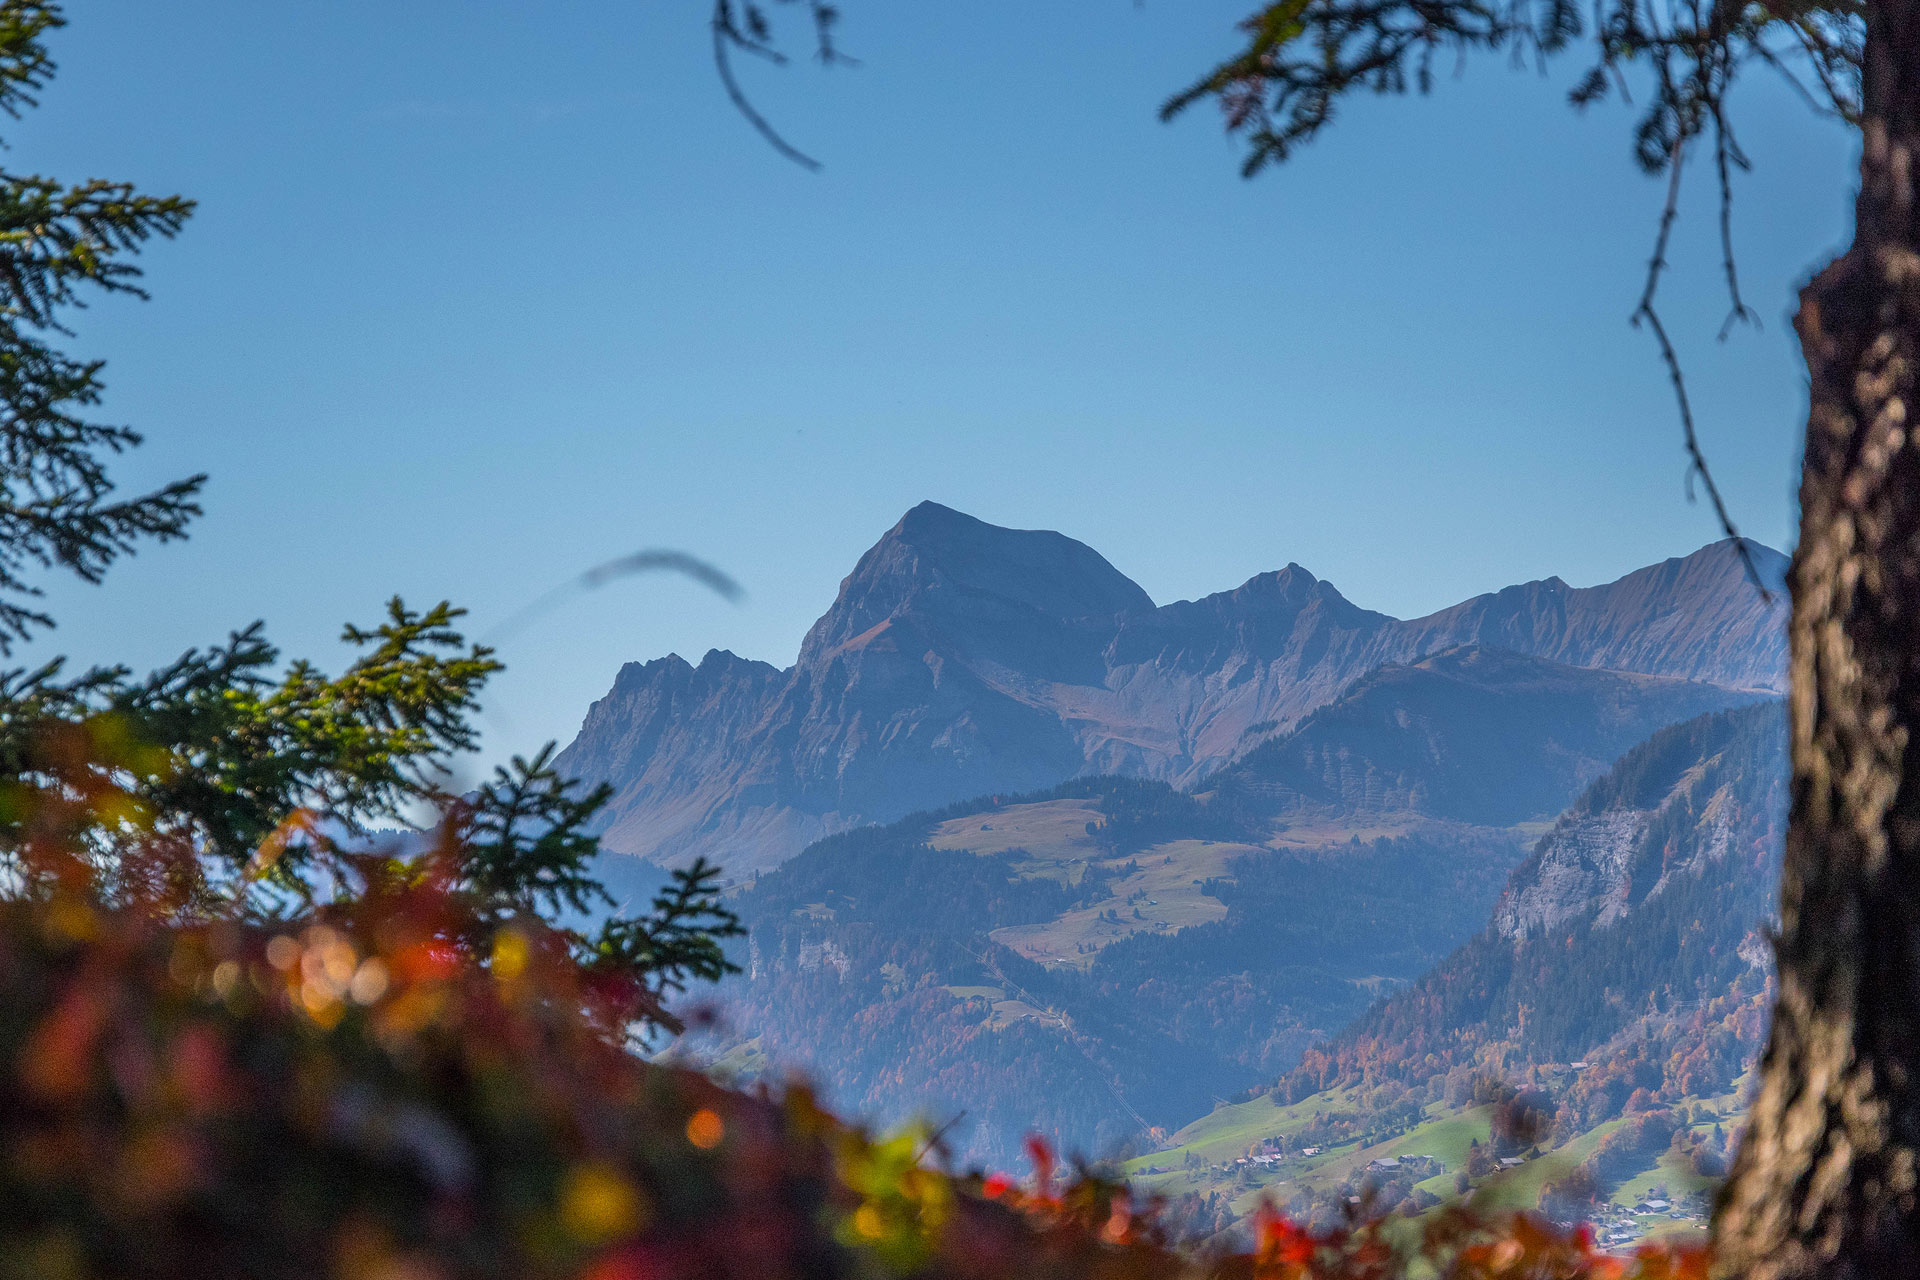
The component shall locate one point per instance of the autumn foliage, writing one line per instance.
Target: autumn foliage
(376, 1089)
(242, 1034)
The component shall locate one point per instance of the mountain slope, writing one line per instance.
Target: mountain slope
(1471, 734)
(1584, 1053)
(1228, 668)
(1696, 617)
(1649, 897)
(923, 684)
(1007, 955)
(1068, 963)
(960, 659)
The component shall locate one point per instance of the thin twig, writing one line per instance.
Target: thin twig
(1725, 153)
(1798, 85)
(1820, 55)
(1645, 311)
(725, 36)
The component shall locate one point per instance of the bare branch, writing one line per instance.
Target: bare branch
(1799, 86)
(1831, 61)
(1696, 457)
(1298, 58)
(727, 36)
(1726, 153)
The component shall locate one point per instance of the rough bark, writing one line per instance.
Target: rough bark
(1828, 1178)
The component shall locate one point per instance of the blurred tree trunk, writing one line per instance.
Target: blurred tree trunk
(1828, 1178)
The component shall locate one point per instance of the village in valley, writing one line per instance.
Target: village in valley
(1319, 1160)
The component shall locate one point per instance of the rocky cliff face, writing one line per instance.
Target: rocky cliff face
(1580, 873)
(962, 659)
(1670, 811)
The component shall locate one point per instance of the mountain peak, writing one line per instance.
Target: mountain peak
(1292, 578)
(963, 658)
(941, 562)
(634, 674)
(1293, 590)
(1718, 557)
(1046, 570)
(935, 521)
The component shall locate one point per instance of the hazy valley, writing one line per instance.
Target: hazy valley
(1224, 880)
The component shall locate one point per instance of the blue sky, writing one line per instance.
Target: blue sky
(481, 294)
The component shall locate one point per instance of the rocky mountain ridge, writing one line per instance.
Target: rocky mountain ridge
(962, 659)
(1469, 734)
(1651, 895)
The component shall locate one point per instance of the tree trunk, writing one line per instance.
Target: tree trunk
(1827, 1182)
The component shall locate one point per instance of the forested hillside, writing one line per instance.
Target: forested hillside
(1103, 959)
(1092, 979)
(1584, 1053)
(1646, 906)
(1471, 734)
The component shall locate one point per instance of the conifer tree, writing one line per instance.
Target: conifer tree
(229, 784)
(59, 244)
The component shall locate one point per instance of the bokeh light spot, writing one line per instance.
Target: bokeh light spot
(283, 952)
(598, 1203)
(705, 1129)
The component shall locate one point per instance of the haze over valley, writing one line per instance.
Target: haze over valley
(1020, 851)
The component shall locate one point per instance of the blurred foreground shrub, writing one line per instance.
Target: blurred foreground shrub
(242, 1034)
(412, 1081)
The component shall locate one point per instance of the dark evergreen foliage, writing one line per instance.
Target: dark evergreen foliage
(58, 245)
(242, 788)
